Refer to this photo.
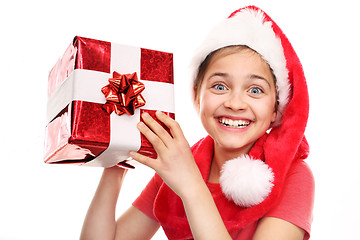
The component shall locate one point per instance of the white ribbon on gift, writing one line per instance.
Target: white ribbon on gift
(85, 85)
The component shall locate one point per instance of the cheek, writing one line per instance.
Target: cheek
(207, 106)
(266, 110)
(203, 109)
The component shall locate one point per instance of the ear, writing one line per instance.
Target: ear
(273, 118)
(196, 99)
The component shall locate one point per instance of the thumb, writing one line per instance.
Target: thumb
(147, 161)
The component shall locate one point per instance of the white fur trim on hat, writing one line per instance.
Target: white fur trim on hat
(246, 181)
(248, 27)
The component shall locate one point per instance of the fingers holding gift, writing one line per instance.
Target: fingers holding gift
(177, 139)
(159, 137)
(173, 125)
(150, 134)
(175, 160)
(156, 127)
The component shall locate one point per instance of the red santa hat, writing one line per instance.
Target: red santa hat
(256, 179)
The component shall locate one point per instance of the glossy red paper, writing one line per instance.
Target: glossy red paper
(93, 54)
(146, 147)
(156, 66)
(81, 131)
(62, 69)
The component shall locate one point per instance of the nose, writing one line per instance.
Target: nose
(236, 101)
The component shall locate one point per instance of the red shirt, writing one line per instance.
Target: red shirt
(295, 204)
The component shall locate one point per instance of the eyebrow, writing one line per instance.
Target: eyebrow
(255, 76)
(251, 76)
(218, 74)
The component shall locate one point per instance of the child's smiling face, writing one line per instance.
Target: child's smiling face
(236, 100)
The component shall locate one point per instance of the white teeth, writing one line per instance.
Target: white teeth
(234, 123)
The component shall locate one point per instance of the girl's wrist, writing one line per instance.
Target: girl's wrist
(114, 173)
(194, 189)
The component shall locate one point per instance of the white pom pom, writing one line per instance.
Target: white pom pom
(246, 181)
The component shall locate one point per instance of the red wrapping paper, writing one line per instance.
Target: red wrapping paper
(81, 131)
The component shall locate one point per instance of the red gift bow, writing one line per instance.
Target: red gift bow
(123, 94)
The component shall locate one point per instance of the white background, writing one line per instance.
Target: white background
(40, 201)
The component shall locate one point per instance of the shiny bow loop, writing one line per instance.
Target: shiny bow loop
(123, 94)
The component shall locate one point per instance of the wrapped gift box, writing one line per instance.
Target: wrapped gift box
(96, 93)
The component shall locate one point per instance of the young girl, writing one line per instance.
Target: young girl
(247, 179)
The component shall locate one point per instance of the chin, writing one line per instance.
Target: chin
(235, 144)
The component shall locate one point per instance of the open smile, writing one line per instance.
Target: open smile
(234, 123)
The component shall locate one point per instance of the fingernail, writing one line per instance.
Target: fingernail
(141, 124)
(145, 115)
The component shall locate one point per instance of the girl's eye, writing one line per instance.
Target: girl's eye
(220, 87)
(255, 90)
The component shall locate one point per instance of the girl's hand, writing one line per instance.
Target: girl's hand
(175, 163)
(176, 166)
